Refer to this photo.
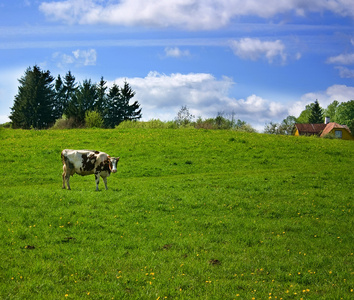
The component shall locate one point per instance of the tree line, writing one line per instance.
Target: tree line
(42, 101)
(342, 113)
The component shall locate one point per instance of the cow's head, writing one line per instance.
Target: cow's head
(113, 161)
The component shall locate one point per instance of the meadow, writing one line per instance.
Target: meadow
(190, 214)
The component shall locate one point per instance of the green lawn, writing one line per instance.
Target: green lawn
(190, 214)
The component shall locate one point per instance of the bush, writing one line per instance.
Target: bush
(93, 119)
(245, 128)
(330, 136)
(153, 123)
(65, 123)
(6, 125)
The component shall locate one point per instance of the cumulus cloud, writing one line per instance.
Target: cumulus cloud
(254, 49)
(341, 93)
(176, 52)
(189, 14)
(161, 96)
(77, 57)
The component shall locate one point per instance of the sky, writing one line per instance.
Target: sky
(258, 61)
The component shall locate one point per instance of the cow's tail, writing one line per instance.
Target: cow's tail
(63, 157)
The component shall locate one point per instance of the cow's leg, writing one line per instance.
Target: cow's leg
(63, 175)
(67, 177)
(105, 182)
(97, 177)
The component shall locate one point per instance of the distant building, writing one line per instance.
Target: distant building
(321, 130)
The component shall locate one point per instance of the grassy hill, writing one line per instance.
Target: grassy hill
(190, 214)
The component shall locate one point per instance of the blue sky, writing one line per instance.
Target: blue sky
(259, 60)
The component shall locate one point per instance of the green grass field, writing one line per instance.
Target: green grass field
(190, 214)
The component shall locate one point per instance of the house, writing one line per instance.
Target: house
(309, 129)
(321, 130)
(339, 131)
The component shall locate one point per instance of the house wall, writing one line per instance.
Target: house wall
(345, 134)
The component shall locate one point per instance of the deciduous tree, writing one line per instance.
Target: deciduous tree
(345, 114)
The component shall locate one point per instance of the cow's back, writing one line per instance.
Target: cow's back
(82, 162)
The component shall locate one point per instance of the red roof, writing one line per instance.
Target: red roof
(310, 129)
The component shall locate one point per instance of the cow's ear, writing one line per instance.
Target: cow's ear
(108, 156)
(118, 158)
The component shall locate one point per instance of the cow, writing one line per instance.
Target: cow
(86, 162)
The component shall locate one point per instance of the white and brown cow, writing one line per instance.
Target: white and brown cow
(86, 162)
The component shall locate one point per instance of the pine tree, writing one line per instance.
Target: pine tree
(83, 101)
(131, 112)
(316, 115)
(69, 89)
(101, 102)
(113, 115)
(118, 107)
(59, 102)
(33, 105)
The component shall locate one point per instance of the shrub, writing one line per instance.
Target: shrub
(6, 125)
(330, 136)
(152, 124)
(93, 119)
(245, 128)
(65, 123)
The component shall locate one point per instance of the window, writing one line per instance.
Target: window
(338, 134)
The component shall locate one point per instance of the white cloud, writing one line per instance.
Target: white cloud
(87, 57)
(189, 14)
(341, 93)
(345, 72)
(342, 59)
(176, 52)
(161, 96)
(254, 49)
(77, 57)
(8, 90)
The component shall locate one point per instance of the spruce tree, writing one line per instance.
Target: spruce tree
(113, 115)
(118, 107)
(83, 101)
(69, 89)
(59, 100)
(101, 101)
(131, 112)
(33, 105)
(316, 115)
